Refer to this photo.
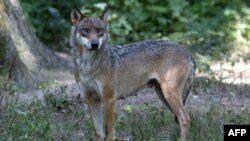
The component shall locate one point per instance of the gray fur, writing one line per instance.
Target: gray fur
(107, 72)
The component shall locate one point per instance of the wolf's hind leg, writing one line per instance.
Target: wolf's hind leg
(174, 99)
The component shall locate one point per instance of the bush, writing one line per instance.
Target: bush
(208, 28)
(50, 20)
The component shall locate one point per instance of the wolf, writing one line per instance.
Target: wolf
(105, 72)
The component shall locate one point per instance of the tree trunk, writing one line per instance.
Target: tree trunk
(30, 58)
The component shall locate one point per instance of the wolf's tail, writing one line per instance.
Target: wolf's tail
(189, 81)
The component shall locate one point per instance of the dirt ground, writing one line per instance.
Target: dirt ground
(229, 90)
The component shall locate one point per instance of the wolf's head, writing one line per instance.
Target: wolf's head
(89, 32)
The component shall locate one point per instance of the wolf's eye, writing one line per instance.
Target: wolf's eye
(99, 30)
(86, 30)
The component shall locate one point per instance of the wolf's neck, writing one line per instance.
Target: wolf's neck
(95, 59)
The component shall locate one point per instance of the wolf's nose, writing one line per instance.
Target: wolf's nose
(94, 45)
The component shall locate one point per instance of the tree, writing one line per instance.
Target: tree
(30, 60)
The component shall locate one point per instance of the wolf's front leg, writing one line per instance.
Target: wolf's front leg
(95, 109)
(110, 108)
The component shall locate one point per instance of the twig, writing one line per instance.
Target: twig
(10, 76)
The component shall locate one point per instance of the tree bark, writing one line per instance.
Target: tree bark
(31, 56)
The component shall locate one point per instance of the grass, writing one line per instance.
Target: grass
(59, 120)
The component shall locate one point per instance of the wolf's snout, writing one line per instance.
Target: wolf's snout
(94, 44)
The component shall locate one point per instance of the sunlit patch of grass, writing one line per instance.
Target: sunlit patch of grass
(157, 124)
(146, 122)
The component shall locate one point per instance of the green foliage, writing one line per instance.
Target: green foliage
(208, 28)
(25, 122)
(37, 121)
(50, 20)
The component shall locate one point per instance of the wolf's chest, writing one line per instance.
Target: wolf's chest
(94, 85)
(86, 68)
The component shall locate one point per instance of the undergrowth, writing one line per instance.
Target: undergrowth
(44, 121)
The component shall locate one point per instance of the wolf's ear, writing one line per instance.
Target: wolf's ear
(105, 15)
(76, 15)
